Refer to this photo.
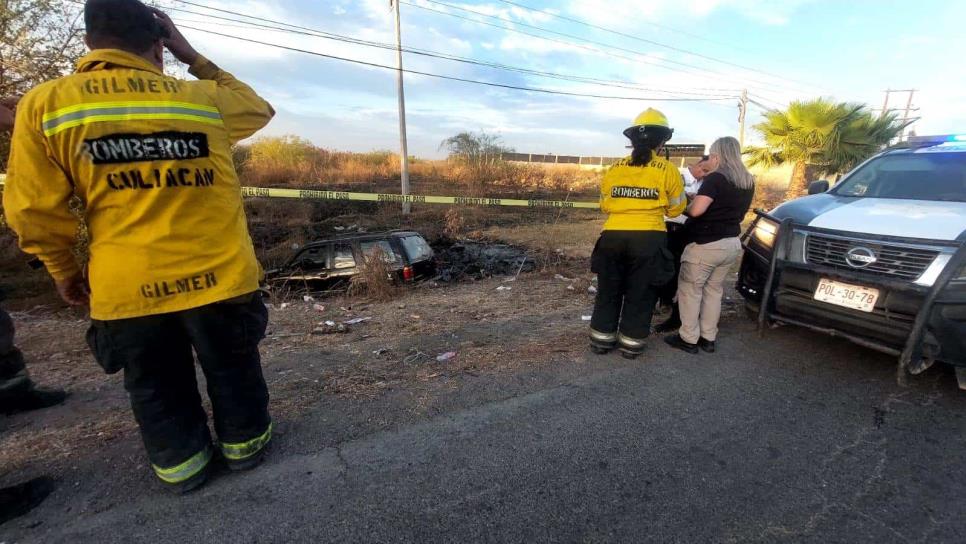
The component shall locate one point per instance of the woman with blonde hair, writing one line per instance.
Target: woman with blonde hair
(714, 227)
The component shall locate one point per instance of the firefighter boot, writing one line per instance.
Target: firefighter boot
(32, 399)
(602, 342)
(189, 475)
(630, 348)
(247, 455)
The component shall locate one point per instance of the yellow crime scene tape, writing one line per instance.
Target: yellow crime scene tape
(311, 194)
(308, 194)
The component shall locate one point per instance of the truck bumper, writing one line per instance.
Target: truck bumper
(886, 329)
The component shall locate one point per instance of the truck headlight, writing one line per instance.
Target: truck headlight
(765, 232)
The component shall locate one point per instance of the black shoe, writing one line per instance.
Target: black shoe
(17, 500)
(675, 341)
(34, 399)
(707, 345)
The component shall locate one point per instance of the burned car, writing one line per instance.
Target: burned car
(331, 263)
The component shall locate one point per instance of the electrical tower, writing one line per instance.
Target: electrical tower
(907, 111)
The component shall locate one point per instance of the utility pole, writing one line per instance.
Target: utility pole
(742, 113)
(403, 146)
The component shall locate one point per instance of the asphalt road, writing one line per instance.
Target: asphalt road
(794, 438)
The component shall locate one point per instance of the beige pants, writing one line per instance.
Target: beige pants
(704, 268)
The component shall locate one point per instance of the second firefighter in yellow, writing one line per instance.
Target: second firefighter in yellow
(631, 258)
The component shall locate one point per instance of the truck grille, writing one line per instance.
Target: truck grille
(894, 261)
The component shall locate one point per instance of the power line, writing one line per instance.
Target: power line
(460, 79)
(756, 99)
(645, 60)
(650, 23)
(428, 53)
(763, 107)
(702, 71)
(652, 42)
(454, 58)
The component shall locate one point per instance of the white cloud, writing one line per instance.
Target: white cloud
(345, 106)
(528, 44)
(452, 42)
(628, 14)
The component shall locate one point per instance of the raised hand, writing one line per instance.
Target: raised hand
(176, 42)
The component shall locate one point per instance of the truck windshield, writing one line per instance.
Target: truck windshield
(912, 176)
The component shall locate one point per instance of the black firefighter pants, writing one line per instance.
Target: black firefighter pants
(630, 266)
(155, 353)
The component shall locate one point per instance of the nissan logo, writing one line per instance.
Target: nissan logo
(860, 257)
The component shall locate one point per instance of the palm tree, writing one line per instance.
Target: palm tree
(821, 137)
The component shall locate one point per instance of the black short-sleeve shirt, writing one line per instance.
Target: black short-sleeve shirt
(723, 218)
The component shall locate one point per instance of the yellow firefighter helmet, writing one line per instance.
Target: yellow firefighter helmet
(651, 123)
(651, 117)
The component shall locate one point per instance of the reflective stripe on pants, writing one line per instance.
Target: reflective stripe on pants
(177, 474)
(244, 450)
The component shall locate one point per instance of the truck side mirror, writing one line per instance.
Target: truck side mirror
(817, 187)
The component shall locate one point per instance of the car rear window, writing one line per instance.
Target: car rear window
(417, 248)
(382, 246)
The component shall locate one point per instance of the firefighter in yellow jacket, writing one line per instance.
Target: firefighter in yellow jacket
(631, 258)
(172, 268)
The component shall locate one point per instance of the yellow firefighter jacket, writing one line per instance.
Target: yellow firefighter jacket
(150, 158)
(640, 197)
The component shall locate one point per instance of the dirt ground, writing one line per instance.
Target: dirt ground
(473, 410)
(400, 344)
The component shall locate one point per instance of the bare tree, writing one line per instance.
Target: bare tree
(475, 147)
(39, 40)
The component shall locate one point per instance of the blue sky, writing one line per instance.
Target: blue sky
(798, 49)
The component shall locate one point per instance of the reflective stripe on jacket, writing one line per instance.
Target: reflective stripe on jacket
(150, 158)
(640, 197)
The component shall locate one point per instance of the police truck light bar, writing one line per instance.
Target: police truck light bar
(923, 141)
